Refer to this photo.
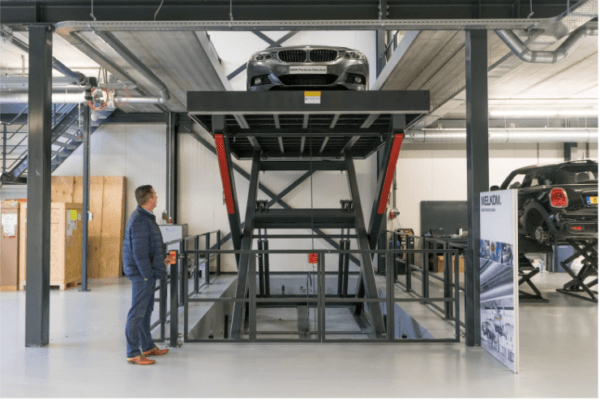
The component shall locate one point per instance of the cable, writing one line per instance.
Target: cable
(92, 14)
(156, 13)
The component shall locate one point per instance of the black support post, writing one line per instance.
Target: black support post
(247, 238)
(174, 304)
(86, 198)
(37, 297)
(366, 266)
(4, 148)
(477, 170)
(172, 153)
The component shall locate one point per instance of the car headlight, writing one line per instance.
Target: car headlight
(261, 56)
(356, 55)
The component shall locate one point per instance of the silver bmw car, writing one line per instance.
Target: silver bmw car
(307, 68)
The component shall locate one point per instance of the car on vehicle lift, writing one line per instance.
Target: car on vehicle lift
(307, 68)
(557, 201)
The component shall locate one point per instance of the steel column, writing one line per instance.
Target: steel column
(366, 265)
(87, 127)
(172, 153)
(174, 304)
(207, 262)
(218, 255)
(4, 149)
(477, 170)
(37, 297)
(236, 320)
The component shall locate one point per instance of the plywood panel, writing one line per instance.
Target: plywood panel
(62, 189)
(9, 257)
(95, 227)
(22, 242)
(65, 244)
(112, 226)
(72, 247)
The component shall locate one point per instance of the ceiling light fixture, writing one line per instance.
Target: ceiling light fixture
(545, 113)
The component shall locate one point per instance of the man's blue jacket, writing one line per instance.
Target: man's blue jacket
(143, 256)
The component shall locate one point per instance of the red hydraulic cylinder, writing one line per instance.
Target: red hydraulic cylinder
(389, 173)
(225, 176)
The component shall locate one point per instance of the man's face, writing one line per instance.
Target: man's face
(154, 199)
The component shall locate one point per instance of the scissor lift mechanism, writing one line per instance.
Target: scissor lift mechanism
(282, 131)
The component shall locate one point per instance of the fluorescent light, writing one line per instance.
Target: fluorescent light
(578, 113)
(545, 113)
(524, 113)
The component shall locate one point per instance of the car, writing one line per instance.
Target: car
(556, 202)
(308, 68)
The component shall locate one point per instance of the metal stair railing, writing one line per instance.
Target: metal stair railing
(65, 130)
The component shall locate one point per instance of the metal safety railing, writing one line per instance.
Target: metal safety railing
(431, 248)
(177, 287)
(320, 302)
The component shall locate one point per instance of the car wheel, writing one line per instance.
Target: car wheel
(542, 235)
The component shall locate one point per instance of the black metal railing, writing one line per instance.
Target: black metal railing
(175, 288)
(181, 297)
(431, 248)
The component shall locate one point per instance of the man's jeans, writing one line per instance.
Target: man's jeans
(137, 330)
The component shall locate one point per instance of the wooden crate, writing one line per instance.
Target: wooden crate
(461, 264)
(65, 245)
(9, 252)
(107, 228)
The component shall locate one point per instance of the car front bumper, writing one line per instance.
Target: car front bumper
(338, 74)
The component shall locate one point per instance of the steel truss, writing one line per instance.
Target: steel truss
(281, 131)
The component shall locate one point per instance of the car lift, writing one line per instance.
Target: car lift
(526, 272)
(307, 131)
(589, 251)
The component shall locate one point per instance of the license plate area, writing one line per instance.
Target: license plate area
(591, 200)
(308, 70)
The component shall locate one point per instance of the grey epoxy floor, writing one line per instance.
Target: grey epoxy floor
(86, 358)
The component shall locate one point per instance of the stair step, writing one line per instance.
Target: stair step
(65, 145)
(60, 153)
(72, 137)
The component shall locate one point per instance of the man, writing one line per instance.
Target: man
(143, 265)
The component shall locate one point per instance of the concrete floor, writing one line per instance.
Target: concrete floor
(86, 358)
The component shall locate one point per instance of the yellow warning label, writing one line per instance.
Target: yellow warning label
(312, 97)
(73, 215)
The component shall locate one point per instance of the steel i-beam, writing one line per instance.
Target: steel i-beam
(477, 171)
(37, 296)
(247, 237)
(366, 265)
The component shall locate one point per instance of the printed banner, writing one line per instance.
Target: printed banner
(499, 289)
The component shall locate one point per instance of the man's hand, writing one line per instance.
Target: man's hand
(168, 260)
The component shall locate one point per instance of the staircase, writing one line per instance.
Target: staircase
(66, 138)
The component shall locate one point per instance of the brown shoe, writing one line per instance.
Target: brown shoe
(156, 352)
(141, 360)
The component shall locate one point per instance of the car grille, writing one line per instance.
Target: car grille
(307, 79)
(292, 55)
(323, 55)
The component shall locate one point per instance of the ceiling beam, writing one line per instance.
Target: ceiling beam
(52, 11)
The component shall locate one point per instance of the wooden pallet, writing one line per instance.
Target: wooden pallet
(55, 285)
(8, 288)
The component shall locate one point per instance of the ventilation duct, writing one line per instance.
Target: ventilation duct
(73, 98)
(545, 57)
(539, 135)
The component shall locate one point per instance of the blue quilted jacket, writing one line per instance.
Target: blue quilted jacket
(143, 256)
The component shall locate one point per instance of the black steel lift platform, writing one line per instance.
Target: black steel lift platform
(307, 131)
(578, 286)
